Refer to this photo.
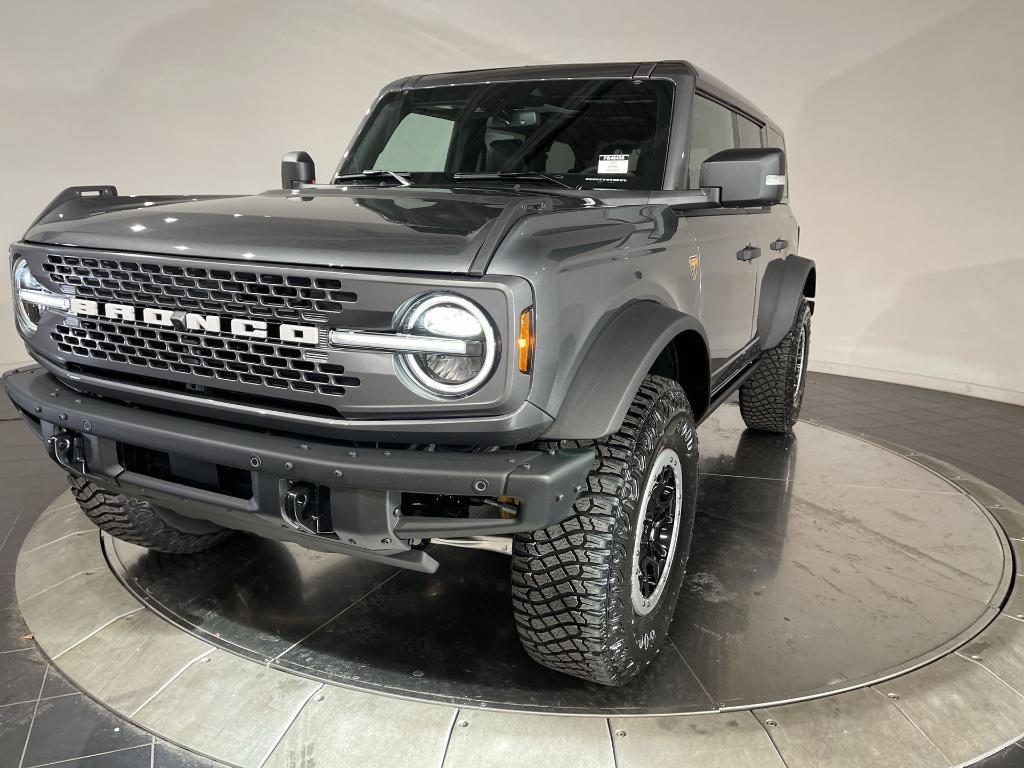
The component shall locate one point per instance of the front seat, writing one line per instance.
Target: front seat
(499, 152)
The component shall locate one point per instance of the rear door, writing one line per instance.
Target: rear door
(725, 241)
(775, 227)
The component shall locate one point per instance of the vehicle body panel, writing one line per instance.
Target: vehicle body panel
(623, 254)
(727, 283)
(422, 231)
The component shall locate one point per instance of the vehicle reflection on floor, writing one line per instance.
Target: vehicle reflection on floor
(820, 561)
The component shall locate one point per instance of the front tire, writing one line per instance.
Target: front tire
(770, 399)
(139, 522)
(593, 596)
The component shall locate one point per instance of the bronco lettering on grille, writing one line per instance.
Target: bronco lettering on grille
(195, 321)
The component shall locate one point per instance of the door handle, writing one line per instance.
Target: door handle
(779, 244)
(749, 253)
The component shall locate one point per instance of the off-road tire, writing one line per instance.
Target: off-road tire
(571, 583)
(770, 399)
(138, 522)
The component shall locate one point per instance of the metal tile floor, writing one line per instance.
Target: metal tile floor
(45, 721)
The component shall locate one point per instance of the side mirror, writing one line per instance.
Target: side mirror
(746, 177)
(297, 168)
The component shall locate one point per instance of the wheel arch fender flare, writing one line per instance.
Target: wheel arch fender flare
(616, 363)
(784, 284)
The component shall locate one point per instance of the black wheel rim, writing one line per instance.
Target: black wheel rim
(658, 529)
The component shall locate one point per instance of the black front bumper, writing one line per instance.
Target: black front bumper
(85, 433)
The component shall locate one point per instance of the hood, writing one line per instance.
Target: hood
(404, 230)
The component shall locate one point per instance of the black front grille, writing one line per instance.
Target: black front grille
(106, 342)
(212, 357)
(241, 292)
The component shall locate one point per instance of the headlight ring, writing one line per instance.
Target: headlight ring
(449, 316)
(28, 313)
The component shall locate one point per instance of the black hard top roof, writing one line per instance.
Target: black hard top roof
(582, 71)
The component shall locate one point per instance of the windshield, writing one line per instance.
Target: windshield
(583, 133)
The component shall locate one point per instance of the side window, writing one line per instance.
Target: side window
(750, 133)
(711, 131)
(776, 140)
(419, 143)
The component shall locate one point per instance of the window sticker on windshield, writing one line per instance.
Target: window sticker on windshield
(613, 163)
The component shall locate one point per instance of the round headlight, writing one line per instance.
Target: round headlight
(466, 340)
(28, 313)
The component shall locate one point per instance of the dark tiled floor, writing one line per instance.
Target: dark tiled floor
(981, 437)
(1009, 757)
(44, 720)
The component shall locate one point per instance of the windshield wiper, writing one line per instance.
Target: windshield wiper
(403, 180)
(514, 176)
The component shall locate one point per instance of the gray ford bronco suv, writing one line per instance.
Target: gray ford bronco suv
(496, 324)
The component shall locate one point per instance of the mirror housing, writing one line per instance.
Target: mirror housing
(297, 168)
(746, 177)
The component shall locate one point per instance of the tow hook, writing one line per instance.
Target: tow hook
(68, 449)
(303, 508)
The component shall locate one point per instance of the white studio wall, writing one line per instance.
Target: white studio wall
(901, 121)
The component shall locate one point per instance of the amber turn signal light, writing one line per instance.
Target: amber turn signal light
(525, 341)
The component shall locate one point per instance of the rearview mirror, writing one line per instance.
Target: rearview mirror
(297, 168)
(746, 177)
(516, 118)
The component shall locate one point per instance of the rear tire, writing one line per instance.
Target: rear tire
(591, 597)
(139, 522)
(770, 399)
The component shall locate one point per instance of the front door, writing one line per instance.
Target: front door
(726, 244)
(728, 273)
